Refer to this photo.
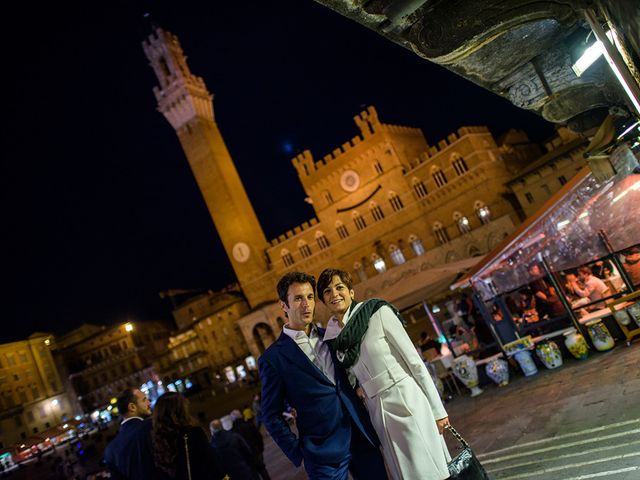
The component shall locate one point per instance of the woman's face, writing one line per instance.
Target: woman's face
(337, 296)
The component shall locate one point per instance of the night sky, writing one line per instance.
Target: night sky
(99, 206)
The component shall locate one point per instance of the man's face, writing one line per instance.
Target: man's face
(300, 305)
(534, 271)
(142, 405)
(337, 296)
(583, 276)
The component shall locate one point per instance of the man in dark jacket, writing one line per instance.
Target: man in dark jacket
(250, 433)
(234, 455)
(130, 454)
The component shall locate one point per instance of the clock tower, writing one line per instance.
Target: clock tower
(186, 103)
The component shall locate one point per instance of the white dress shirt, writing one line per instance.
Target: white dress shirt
(314, 348)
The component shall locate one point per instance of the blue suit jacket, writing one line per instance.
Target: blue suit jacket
(324, 410)
(130, 454)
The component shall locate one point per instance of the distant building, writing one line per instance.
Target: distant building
(108, 360)
(32, 396)
(209, 344)
(534, 184)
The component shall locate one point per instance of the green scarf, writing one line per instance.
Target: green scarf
(349, 339)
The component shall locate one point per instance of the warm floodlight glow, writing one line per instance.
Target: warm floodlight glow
(128, 327)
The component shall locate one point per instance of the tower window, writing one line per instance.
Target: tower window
(483, 213)
(378, 263)
(396, 203)
(322, 240)
(164, 67)
(304, 249)
(459, 165)
(420, 188)
(397, 257)
(359, 221)
(463, 225)
(529, 197)
(441, 233)
(439, 177)
(342, 230)
(376, 211)
(416, 246)
(287, 258)
(562, 179)
(378, 167)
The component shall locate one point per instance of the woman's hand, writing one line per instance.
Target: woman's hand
(443, 422)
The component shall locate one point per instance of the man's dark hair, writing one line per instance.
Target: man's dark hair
(289, 279)
(327, 275)
(585, 270)
(125, 397)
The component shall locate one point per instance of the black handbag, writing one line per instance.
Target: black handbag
(465, 465)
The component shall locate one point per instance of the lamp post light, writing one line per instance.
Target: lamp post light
(128, 327)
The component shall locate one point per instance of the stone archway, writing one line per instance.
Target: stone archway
(263, 336)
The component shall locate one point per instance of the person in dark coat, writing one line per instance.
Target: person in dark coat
(250, 433)
(234, 455)
(129, 455)
(181, 449)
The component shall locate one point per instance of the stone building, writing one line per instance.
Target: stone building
(388, 206)
(208, 343)
(534, 184)
(110, 359)
(32, 396)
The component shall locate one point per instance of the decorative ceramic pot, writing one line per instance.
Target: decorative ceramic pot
(622, 317)
(549, 354)
(600, 336)
(525, 360)
(465, 369)
(634, 312)
(576, 344)
(498, 371)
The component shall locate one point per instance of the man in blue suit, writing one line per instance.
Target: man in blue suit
(130, 454)
(335, 433)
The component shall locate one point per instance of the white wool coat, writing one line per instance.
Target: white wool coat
(401, 399)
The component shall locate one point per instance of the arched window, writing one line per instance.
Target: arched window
(397, 257)
(287, 258)
(419, 187)
(416, 245)
(327, 197)
(322, 240)
(378, 263)
(378, 167)
(441, 233)
(360, 271)
(376, 211)
(358, 221)
(482, 212)
(394, 200)
(459, 165)
(463, 222)
(342, 230)
(438, 176)
(304, 249)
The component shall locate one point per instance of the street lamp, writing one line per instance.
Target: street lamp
(128, 326)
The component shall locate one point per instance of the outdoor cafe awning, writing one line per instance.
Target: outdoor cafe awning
(565, 231)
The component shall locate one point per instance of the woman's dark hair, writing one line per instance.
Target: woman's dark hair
(170, 418)
(326, 277)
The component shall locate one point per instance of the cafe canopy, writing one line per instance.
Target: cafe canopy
(568, 231)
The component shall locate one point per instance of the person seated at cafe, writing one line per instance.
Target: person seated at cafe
(547, 302)
(591, 287)
(427, 343)
(598, 268)
(527, 306)
(632, 265)
(613, 280)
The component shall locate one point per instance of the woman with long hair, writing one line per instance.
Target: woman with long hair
(181, 449)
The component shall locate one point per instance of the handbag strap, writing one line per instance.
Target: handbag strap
(458, 437)
(186, 451)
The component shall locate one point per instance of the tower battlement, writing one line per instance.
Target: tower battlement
(369, 124)
(289, 234)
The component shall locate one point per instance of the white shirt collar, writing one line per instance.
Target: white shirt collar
(130, 418)
(333, 326)
(300, 335)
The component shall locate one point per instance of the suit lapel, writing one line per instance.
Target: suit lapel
(298, 359)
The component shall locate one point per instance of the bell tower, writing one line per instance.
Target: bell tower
(186, 103)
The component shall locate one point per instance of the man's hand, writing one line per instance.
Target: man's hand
(360, 393)
(443, 422)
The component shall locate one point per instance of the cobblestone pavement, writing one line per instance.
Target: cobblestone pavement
(577, 422)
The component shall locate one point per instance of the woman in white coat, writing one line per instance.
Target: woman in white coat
(400, 396)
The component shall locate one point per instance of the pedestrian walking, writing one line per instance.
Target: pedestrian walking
(181, 450)
(250, 433)
(235, 457)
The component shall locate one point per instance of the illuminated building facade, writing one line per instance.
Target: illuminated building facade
(32, 396)
(113, 358)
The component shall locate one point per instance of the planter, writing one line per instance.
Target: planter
(549, 354)
(498, 371)
(576, 344)
(465, 369)
(525, 360)
(600, 336)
